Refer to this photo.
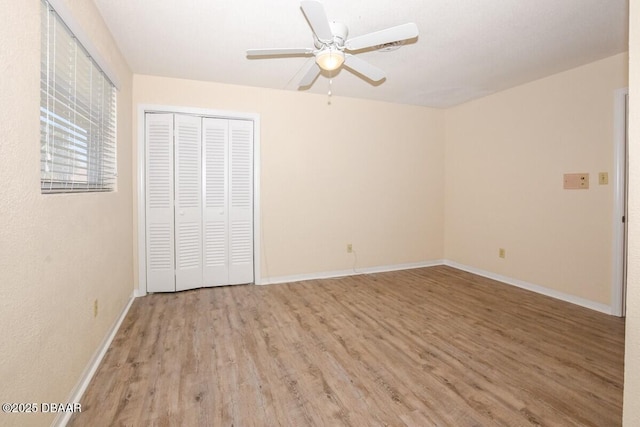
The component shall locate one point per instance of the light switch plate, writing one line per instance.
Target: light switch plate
(603, 178)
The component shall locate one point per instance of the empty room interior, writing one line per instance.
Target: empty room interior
(413, 213)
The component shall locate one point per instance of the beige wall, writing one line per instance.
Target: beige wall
(58, 253)
(376, 183)
(631, 406)
(505, 159)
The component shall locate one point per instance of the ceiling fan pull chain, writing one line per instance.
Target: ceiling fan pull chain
(329, 94)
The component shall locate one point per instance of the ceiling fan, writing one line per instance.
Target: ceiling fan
(332, 45)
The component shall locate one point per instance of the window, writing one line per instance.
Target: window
(77, 114)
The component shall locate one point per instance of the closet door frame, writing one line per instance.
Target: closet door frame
(142, 109)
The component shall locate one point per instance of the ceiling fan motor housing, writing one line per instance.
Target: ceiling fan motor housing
(340, 33)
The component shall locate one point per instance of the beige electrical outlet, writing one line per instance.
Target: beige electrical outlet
(349, 248)
(95, 308)
(502, 253)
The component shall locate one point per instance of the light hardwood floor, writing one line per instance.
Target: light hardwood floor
(425, 347)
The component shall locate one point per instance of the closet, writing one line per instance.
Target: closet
(198, 201)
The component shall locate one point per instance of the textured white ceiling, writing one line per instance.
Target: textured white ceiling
(466, 48)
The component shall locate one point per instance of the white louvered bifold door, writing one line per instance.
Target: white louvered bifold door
(199, 214)
(159, 203)
(216, 214)
(240, 201)
(188, 201)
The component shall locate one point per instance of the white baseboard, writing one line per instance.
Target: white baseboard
(352, 272)
(63, 417)
(137, 293)
(397, 267)
(603, 308)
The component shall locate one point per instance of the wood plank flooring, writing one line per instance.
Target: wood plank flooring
(425, 347)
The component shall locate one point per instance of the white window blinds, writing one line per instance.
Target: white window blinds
(77, 114)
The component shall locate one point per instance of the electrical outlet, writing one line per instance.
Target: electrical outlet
(349, 248)
(502, 253)
(95, 308)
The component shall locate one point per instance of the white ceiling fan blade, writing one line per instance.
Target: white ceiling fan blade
(317, 17)
(310, 76)
(393, 34)
(278, 51)
(363, 67)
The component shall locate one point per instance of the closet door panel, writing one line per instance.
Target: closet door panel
(240, 202)
(216, 214)
(188, 201)
(199, 202)
(159, 203)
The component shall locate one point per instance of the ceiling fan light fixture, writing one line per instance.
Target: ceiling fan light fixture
(330, 58)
